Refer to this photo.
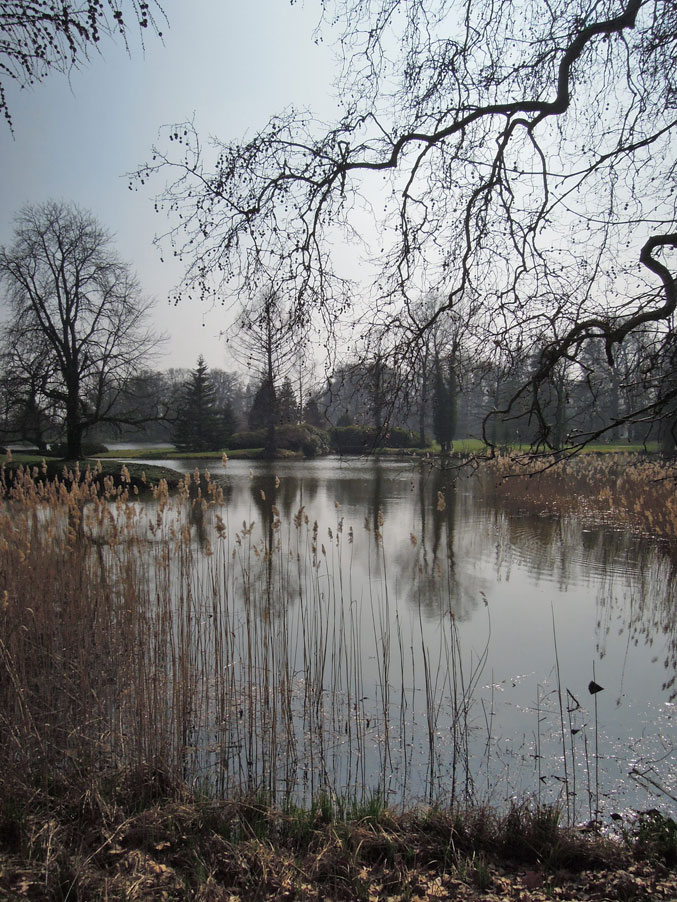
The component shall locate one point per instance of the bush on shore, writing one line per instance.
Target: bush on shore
(302, 438)
(366, 439)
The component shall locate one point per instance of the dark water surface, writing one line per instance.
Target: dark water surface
(471, 625)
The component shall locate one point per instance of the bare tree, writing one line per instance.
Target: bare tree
(527, 152)
(26, 371)
(268, 342)
(40, 36)
(72, 297)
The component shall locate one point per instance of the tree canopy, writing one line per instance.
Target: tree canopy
(516, 160)
(45, 35)
(77, 333)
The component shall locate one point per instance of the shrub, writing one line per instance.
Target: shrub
(354, 439)
(655, 836)
(247, 438)
(88, 450)
(310, 440)
(365, 439)
(400, 438)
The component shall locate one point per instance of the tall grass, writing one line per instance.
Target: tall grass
(160, 637)
(622, 490)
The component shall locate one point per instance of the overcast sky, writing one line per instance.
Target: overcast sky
(229, 65)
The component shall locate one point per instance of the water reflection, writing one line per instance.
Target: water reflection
(392, 554)
(443, 536)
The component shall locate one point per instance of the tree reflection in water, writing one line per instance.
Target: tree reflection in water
(426, 585)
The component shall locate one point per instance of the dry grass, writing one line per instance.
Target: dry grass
(108, 847)
(623, 490)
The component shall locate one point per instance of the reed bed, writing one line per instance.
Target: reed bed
(244, 660)
(230, 659)
(623, 490)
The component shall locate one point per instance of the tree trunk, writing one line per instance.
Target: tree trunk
(422, 408)
(74, 425)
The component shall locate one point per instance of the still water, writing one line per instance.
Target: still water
(473, 635)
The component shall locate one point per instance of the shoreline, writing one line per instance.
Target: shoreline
(134, 836)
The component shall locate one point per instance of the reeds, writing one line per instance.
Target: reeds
(246, 659)
(159, 637)
(622, 490)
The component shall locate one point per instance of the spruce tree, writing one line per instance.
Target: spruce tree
(201, 425)
(288, 408)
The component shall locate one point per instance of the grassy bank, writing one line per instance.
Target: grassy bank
(475, 446)
(170, 453)
(137, 837)
(107, 475)
(464, 446)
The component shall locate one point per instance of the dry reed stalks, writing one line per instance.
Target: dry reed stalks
(621, 490)
(159, 638)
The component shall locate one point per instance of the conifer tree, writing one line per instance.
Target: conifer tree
(288, 408)
(200, 424)
(445, 404)
(312, 414)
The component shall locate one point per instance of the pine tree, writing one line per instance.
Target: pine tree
(312, 414)
(201, 425)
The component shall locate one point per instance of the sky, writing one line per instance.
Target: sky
(227, 64)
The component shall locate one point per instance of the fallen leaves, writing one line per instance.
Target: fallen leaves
(180, 851)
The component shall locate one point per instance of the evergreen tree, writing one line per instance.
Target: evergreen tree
(312, 414)
(263, 411)
(288, 408)
(201, 425)
(445, 404)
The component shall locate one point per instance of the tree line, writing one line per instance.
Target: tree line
(517, 166)
(76, 364)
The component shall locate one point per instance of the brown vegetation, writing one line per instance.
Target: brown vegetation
(623, 490)
(140, 838)
(147, 724)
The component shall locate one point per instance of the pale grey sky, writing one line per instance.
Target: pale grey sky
(229, 64)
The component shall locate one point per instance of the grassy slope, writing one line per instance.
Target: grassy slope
(140, 476)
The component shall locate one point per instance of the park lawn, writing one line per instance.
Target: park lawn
(460, 446)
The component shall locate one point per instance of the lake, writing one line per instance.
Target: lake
(387, 628)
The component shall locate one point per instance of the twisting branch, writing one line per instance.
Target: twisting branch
(521, 155)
